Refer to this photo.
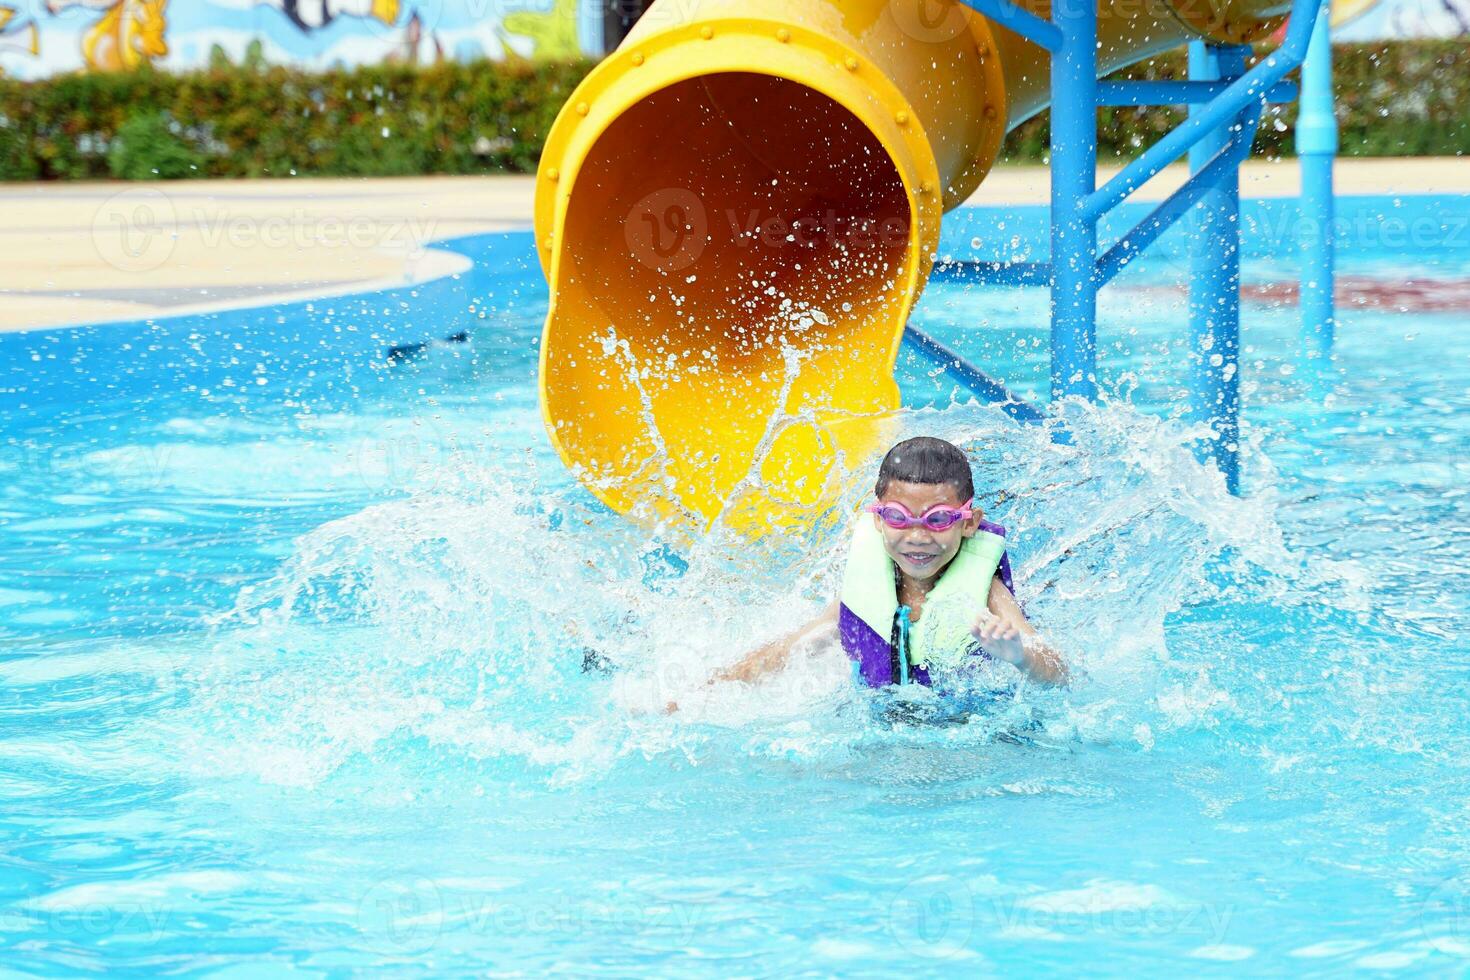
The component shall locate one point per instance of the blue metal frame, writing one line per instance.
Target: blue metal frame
(1073, 182)
(1139, 93)
(1316, 146)
(1226, 102)
(1033, 28)
(982, 384)
(1214, 270)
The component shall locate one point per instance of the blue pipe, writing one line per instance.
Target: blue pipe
(1176, 93)
(1250, 87)
(1176, 205)
(993, 273)
(983, 385)
(1316, 146)
(1073, 180)
(1214, 276)
(1023, 22)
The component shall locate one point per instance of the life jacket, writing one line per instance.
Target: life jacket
(884, 646)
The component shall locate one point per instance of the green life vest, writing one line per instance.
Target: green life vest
(941, 637)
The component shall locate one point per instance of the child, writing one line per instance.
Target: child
(926, 578)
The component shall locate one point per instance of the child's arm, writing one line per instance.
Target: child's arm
(1007, 635)
(770, 658)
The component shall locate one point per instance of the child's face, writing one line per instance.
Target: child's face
(920, 552)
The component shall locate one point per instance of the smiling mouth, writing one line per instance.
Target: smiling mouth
(919, 558)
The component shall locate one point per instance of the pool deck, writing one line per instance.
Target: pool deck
(93, 252)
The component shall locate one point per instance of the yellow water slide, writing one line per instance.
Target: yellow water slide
(736, 211)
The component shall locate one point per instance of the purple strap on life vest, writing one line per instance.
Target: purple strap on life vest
(869, 651)
(1005, 559)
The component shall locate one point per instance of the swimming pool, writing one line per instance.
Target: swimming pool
(293, 644)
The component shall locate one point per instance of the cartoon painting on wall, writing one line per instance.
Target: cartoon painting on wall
(1409, 18)
(552, 33)
(48, 37)
(125, 34)
(20, 37)
(311, 15)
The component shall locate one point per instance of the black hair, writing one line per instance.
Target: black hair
(924, 459)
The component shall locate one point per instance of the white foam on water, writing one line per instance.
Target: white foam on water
(177, 887)
(1100, 896)
(452, 625)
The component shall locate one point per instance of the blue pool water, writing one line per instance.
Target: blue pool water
(292, 647)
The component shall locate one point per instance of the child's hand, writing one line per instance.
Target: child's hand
(1001, 635)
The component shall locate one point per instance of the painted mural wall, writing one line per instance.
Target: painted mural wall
(1409, 18)
(47, 37)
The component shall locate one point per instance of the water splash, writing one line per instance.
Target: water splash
(501, 628)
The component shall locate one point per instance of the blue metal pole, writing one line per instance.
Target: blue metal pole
(1219, 111)
(1214, 281)
(981, 384)
(1316, 146)
(1178, 204)
(1177, 93)
(1073, 179)
(1007, 14)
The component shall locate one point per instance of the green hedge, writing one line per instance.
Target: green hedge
(1400, 99)
(1406, 98)
(251, 121)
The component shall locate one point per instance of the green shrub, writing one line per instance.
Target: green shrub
(254, 119)
(1402, 98)
(17, 159)
(149, 147)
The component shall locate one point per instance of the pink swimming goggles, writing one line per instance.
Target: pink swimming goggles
(936, 518)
